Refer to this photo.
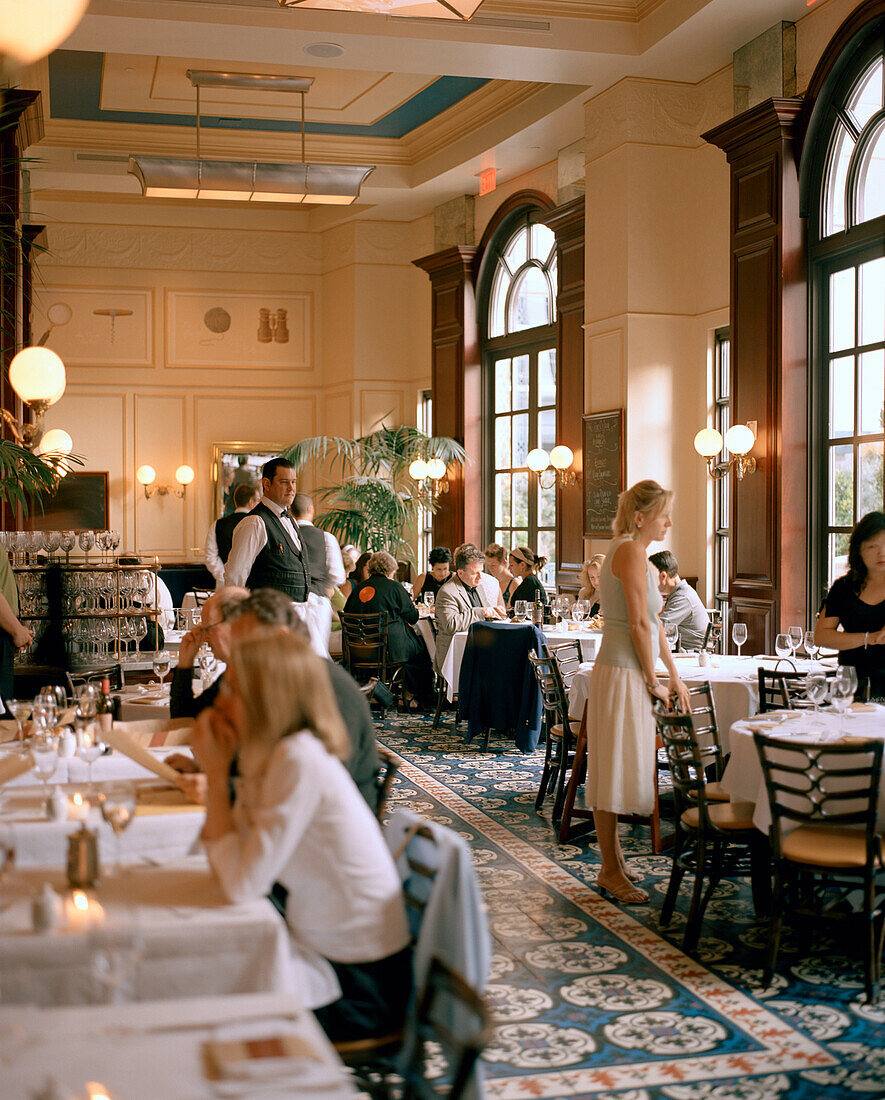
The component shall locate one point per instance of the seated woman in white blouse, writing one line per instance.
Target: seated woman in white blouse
(299, 822)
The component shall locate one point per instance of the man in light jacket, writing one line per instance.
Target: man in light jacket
(470, 596)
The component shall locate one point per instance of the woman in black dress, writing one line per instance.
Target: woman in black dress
(525, 565)
(440, 571)
(856, 604)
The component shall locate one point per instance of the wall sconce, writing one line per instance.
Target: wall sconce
(147, 476)
(553, 467)
(433, 471)
(739, 441)
(38, 377)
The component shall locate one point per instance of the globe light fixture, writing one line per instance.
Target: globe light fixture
(739, 441)
(418, 469)
(30, 29)
(38, 377)
(431, 473)
(553, 468)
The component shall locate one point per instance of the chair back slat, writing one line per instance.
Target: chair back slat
(706, 727)
(543, 670)
(364, 644)
(825, 784)
(568, 661)
(686, 759)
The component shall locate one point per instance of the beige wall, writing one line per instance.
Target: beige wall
(357, 351)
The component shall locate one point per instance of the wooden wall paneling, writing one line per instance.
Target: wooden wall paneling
(768, 569)
(567, 223)
(456, 382)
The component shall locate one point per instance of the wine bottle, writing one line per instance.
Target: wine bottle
(104, 707)
(538, 612)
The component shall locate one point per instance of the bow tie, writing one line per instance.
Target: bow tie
(286, 514)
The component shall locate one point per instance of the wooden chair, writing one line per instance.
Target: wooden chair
(778, 689)
(560, 739)
(384, 778)
(823, 801)
(568, 661)
(365, 651)
(713, 839)
(201, 595)
(706, 731)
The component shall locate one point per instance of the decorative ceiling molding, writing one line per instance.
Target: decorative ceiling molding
(621, 11)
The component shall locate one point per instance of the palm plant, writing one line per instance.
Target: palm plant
(26, 478)
(377, 502)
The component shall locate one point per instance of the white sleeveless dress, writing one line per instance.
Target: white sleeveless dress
(620, 725)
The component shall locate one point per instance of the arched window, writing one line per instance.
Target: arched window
(519, 352)
(847, 303)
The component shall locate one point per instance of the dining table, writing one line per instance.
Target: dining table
(235, 1046)
(743, 778)
(146, 933)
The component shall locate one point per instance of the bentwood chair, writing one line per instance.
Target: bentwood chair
(823, 801)
(365, 651)
(713, 839)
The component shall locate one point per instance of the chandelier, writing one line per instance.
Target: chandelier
(256, 181)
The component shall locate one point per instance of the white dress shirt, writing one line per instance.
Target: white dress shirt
(250, 538)
(211, 556)
(302, 822)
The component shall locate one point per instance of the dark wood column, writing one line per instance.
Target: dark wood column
(457, 389)
(768, 583)
(20, 126)
(567, 222)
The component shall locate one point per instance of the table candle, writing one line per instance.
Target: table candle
(83, 912)
(95, 1090)
(78, 807)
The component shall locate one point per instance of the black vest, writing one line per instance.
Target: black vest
(224, 533)
(279, 565)
(315, 548)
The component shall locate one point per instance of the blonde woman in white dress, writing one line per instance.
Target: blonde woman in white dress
(620, 725)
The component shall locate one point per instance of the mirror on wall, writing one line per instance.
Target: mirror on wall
(234, 463)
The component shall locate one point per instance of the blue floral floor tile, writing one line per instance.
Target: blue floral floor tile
(595, 1000)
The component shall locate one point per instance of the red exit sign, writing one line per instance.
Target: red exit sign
(487, 181)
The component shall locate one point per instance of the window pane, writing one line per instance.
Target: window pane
(841, 486)
(838, 557)
(871, 292)
(521, 382)
(547, 429)
(870, 478)
(834, 190)
(502, 443)
(546, 507)
(547, 549)
(521, 500)
(502, 538)
(871, 179)
(520, 440)
(872, 392)
(547, 377)
(842, 309)
(519, 538)
(498, 301)
(867, 99)
(543, 241)
(515, 253)
(529, 300)
(502, 500)
(502, 386)
(553, 272)
(842, 397)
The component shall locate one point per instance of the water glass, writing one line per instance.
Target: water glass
(162, 663)
(579, 610)
(816, 688)
(117, 801)
(671, 633)
(429, 599)
(89, 744)
(811, 647)
(521, 610)
(739, 635)
(782, 646)
(44, 754)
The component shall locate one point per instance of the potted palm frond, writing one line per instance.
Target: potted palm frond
(26, 478)
(377, 503)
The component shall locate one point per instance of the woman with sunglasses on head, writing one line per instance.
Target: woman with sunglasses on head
(525, 565)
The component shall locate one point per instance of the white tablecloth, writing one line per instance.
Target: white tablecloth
(39, 842)
(144, 1051)
(743, 777)
(168, 933)
(451, 669)
(76, 771)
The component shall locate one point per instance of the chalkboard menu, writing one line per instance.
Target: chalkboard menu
(604, 470)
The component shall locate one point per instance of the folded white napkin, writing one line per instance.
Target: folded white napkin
(258, 1050)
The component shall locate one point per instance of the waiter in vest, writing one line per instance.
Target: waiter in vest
(221, 534)
(324, 559)
(268, 552)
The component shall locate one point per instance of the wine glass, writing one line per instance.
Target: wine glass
(86, 539)
(782, 646)
(89, 745)
(117, 801)
(816, 688)
(561, 606)
(45, 705)
(44, 754)
(162, 663)
(521, 610)
(795, 636)
(20, 709)
(206, 663)
(671, 633)
(842, 693)
(87, 700)
(579, 610)
(429, 599)
(739, 635)
(68, 540)
(811, 646)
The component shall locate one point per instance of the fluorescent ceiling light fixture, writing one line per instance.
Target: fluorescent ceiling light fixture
(410, 9)
(248, 181)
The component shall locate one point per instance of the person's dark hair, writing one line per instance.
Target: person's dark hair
(269, 469)
(301, 505)
(269, 607)
(129, 559)
(872, 524)
(439, 554)
(528, 557)
(243, 493)
(360, 570)
(466, 554)
(665, 562)
(496, 552)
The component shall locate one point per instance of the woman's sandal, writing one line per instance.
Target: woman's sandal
(625, 895)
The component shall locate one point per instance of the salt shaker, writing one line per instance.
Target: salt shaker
(46, 910)
(57, 806)
(703, 658)
(67, 743)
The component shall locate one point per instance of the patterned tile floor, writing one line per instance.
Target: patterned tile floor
(596, 1000)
